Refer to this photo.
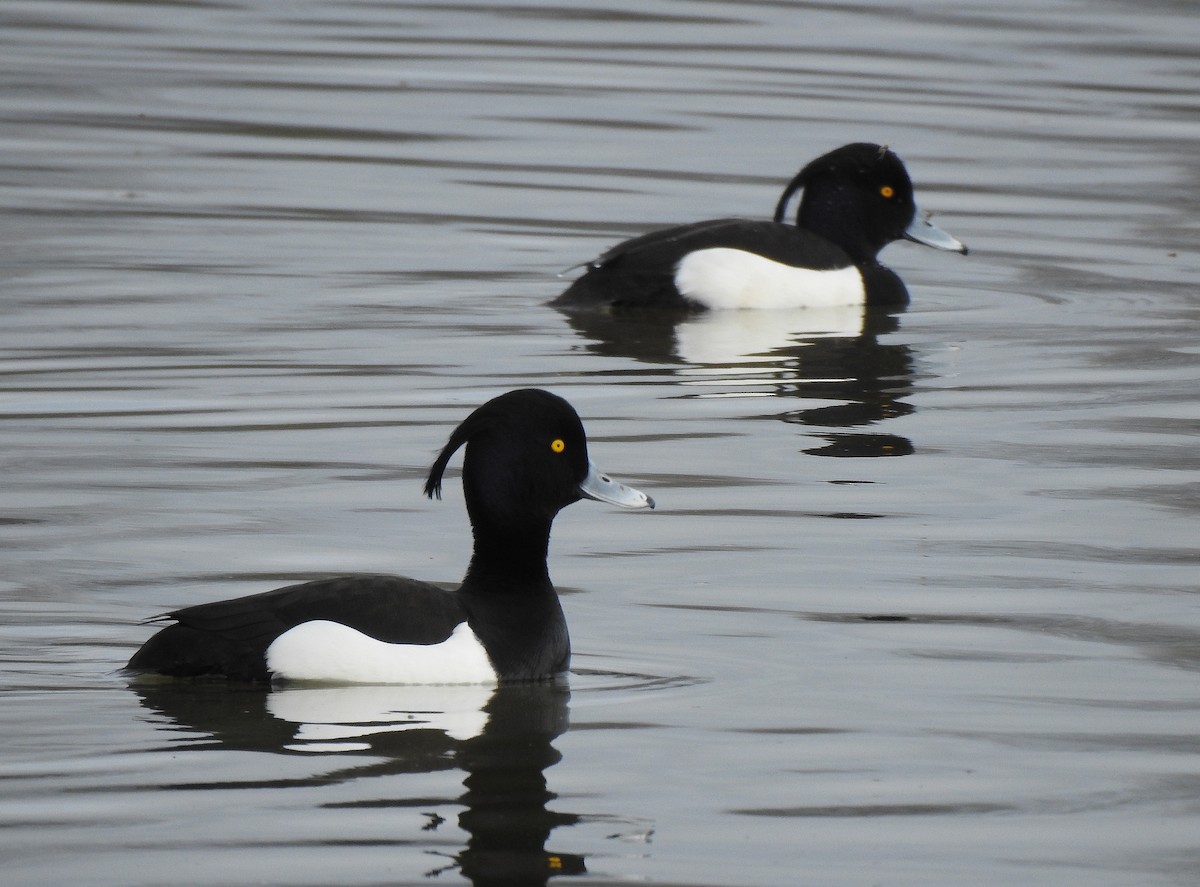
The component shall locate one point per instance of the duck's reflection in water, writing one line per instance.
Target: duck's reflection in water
(501, 739)
(830, 360)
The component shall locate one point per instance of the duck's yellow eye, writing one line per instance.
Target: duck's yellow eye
(887, 191)
(557, 445)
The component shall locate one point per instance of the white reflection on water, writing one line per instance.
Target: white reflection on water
(751, 336)
(331, 718)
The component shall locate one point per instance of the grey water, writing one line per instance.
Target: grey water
(919, 604)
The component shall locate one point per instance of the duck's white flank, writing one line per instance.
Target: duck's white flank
(335, 653)
(724, 278)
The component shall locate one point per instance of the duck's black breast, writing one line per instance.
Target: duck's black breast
(643, 271)
(524, 632)
(230, 638)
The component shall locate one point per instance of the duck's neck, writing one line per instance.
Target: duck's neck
(512, 606)
(509, 559)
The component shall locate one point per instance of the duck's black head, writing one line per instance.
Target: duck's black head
(860, 197)
(526, 459)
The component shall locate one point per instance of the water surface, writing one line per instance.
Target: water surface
(918, 605)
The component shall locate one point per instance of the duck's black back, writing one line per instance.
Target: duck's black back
(641, 272)
(230, 638)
